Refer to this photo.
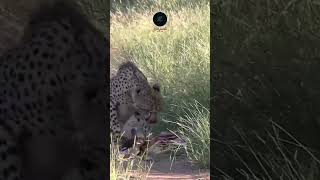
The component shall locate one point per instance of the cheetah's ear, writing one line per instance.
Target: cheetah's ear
(156, 87)
(140, 75)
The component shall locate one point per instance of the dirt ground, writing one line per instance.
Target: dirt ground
(164, 169)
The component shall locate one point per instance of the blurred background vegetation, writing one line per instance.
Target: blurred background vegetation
(266, 90)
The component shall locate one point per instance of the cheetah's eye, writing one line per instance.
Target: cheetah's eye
(137, 113)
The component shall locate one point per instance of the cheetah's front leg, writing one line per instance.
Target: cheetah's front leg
(114, 123)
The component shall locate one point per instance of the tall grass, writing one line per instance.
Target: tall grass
(142, 6)
(267, 66)
(126, 168)
(194, 127)
(177, 58)
(278, 155)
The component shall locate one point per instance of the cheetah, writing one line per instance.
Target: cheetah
(129, 89)
(60, 53)
(138, 119)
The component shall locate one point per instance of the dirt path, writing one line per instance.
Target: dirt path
(180, 170)
(164, 169)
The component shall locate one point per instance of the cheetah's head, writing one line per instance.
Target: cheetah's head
(148, 105)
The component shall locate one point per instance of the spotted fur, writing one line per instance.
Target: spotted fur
(60, 53)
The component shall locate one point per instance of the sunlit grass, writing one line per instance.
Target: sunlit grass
(178, 58)
(194, 127)
(122, 168)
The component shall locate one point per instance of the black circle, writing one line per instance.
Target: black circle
(160, 19)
